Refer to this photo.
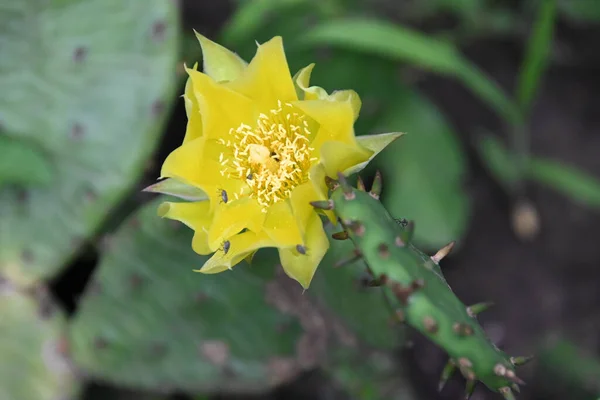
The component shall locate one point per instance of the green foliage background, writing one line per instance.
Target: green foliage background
(87, 89)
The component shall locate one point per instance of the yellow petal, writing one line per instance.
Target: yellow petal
(281, 226)
(184, 163)
(222, 108)
(335, 119)
(300, 199)
(220, 63)
(349, 96)
(194, 124)
(267, 78)
(337, 157)
(232, 217)
(196, 163)
(302, 267)
(240, 247)
(374, 143)
(195, 215)
(304, 92)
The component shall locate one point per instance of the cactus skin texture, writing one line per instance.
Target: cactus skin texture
(414, 283)
(87, 85)
(34, 362)
(147, 321)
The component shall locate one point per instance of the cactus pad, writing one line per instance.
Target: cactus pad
(414, 283)
(88, 84)
(147, 321)
(33, 348)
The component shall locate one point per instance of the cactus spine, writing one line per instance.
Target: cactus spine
(414, 283)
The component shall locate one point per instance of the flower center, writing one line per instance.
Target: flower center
(273, 157)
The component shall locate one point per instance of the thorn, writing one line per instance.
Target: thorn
(447, 372)
(331, 183)
(357, 255)
(516, 388)
(323, 204)
(356, 227)
(517, 361)
(377, 186)
(478, 308)
(343, 235)
(429, 324)
(407, 234)
(384, 251)
(360, 184)
(470, 388)
(511, 376)
(346, 188)
(506, 392)
(443, 252)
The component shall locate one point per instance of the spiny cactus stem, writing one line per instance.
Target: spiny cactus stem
(403, 293)
(462, 329)
(377, 186)
(502, 370)
(447, 372)
(479, 308)
(346, 187)
(356, 227)
(407, 234)
(443, 252)
(380, 281)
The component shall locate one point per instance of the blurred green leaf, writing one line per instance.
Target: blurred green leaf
(22, 164)
(570, 370)
(250, 16)
(423, 172)
(536, 59)
(498, 161)
(578, 185)
(587, 11)
(399, 43)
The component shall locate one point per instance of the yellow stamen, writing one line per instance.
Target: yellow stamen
(273, 157)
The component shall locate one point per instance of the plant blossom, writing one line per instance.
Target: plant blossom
(257, 148)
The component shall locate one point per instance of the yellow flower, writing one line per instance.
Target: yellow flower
(258, 145)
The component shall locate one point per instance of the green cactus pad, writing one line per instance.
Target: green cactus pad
(89, 84)
(147, 321)
(413, 282)
(373, 375)
(341, 289)
(33, 348)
